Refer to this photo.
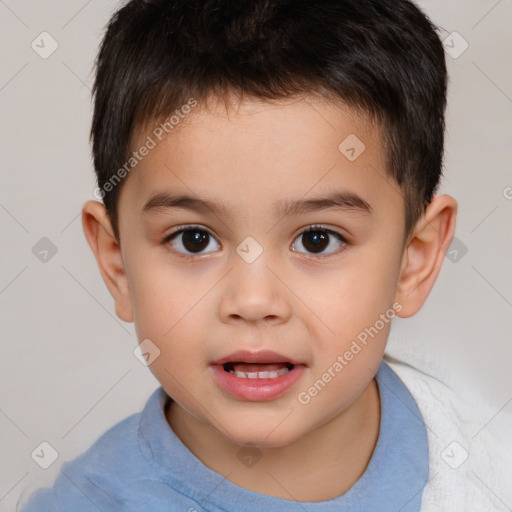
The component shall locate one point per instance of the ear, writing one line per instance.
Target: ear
(424, 254)
(100, 236)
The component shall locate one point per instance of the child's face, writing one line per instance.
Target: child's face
(307, 307)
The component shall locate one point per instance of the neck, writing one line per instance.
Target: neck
(302, 470)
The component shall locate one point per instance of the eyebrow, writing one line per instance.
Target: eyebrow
(341, 200)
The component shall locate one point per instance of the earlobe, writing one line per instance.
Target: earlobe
(107, 251)
(424, 254)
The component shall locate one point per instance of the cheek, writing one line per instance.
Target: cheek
(165, 302)
(173, 317)
(359, 309)
(346, 362)
(353, 297)
(175, 309)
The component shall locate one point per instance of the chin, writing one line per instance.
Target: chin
(265, 435)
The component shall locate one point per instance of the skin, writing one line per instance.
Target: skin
(307, 306)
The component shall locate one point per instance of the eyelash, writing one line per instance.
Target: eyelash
(192, 227)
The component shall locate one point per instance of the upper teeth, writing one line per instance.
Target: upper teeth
(259, 375)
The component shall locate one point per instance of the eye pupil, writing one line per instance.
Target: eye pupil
(195, 240)
(315, 240)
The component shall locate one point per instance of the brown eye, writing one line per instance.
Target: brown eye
(318, 240)
(191, 241)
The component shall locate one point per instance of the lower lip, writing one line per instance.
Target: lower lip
(256, 390)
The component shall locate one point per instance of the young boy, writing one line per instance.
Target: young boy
(268, 171)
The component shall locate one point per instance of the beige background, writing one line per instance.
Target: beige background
(67, 368)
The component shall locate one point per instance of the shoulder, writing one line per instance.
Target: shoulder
(93, 479)
(469, 449)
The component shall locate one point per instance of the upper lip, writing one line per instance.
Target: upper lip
(260, 356)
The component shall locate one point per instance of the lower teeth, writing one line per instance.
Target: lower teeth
(259, 375)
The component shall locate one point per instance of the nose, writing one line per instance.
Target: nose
(253, 293)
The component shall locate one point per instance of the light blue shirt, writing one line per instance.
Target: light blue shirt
(140, 465)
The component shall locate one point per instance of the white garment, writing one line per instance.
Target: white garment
(470, 448)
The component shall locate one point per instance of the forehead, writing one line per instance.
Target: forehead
(259, 153)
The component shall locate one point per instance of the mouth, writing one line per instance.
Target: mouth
(256, 376)
(245, 370)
